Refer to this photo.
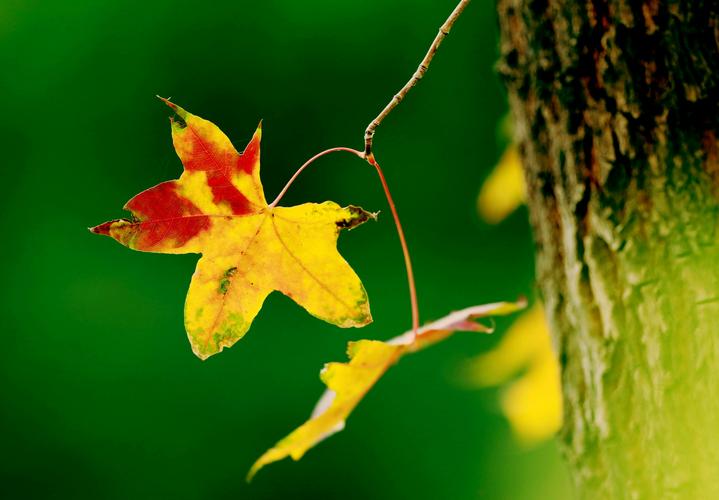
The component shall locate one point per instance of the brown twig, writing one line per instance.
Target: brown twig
(416, 77)
(369, 157)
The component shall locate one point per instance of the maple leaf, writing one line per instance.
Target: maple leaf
(217, 208)
(347, 383)
(533, 401)
(504, 190)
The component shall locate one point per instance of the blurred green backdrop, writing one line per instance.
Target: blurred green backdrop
(101, 395)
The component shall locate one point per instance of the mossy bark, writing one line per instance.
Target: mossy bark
(616, 107)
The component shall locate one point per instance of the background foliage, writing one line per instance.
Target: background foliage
(102, 396)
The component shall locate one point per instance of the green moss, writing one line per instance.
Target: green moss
(225, 281)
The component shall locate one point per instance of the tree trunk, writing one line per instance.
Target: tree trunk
(617, 118)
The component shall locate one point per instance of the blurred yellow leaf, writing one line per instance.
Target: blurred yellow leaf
(347, 383)
(532, 402)
(504, 189)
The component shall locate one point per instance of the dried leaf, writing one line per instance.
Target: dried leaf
(217, 208)
(347, 383)
(533, 401)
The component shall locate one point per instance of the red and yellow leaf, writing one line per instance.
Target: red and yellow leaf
(217, 208)
(347, 383)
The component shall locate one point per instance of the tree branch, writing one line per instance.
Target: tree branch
(369, 157)
(416, 77)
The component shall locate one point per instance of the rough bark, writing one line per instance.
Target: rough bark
(616, 105)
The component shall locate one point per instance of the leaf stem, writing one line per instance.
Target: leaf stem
(416, 76)
(405, 250)
(307, 164)
(398, 224)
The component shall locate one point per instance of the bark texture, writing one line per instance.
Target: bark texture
(616, 105)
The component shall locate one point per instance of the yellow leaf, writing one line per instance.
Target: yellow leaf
(504, 190)
(217, 208)
(347, 383)
(533, 401)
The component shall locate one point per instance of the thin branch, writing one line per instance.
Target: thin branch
(416, 77)
(369, 157)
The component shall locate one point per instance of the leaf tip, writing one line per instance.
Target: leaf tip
(521, 302)
(167, 101)
(272, 455)
(177, 109)
(103, 229)
(203, 355)
(257, 136)
(356, 216)
(251, 473)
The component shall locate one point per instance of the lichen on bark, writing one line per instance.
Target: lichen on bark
(616, 108)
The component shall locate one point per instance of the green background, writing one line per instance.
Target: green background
(101, 395)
